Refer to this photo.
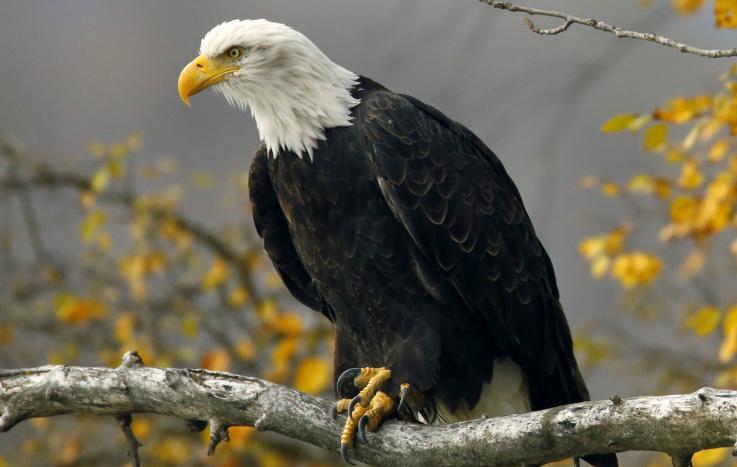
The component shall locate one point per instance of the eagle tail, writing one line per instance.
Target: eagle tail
(567, 380)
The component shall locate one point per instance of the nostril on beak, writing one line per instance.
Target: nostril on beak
(199, 65)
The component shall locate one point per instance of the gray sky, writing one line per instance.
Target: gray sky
(79, 70)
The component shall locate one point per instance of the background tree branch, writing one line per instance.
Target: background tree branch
(678, 425)
(569, 20)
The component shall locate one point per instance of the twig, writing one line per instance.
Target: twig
(133, 443)
(569, 20)
(672, 424)
(681, 460)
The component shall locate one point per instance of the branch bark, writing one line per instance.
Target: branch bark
(678, 424)
(570, 20)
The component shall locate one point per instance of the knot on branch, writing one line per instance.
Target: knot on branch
(9, 419)
(131, 359)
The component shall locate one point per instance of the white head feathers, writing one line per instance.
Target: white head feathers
(293, 90)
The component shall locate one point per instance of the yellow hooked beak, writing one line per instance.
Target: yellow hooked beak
(201, 73)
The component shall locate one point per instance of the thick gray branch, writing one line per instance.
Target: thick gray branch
(569, 20)
(677, 425)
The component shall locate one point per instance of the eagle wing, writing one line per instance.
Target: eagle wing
(272, 227)
(466, 216)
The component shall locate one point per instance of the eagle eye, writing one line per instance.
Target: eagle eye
(234, 53)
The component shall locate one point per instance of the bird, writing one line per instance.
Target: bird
(403, 229)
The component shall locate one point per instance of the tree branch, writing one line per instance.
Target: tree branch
(679, 424)
(569, 20)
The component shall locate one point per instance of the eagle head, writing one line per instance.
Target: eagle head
(294, 90)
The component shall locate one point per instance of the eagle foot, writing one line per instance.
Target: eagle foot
(365, 411)
(380, 407)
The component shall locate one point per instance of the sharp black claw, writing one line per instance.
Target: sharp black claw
(334, 412)
(344, 454)
(361, 431)
(353, 403)
(344, 379)
(402, 396)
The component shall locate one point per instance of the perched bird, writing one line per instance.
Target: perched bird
(403, 229)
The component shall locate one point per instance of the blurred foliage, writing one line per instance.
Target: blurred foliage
(147, 276)
(687, 204)
(725, 11)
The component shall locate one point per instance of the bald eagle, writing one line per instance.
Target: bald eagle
(403, 229)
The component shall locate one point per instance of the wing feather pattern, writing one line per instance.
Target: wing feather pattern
(466, 216)
(272, 227)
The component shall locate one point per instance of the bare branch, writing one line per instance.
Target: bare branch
(678, 424)
(569, 20)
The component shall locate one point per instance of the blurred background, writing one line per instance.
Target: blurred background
(124, 217)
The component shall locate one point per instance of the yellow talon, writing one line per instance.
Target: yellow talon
(342, 405)
(371, 379)
(381, 407)
(349, 430)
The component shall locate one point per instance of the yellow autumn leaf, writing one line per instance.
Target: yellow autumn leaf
(91, 224)
(694, 263)
(239, 435)
(245, 349)
(124, 327)
(289, 324)
(610, 189)
(725, 13)
(686, 7)
(284, 351)
(216, 275)
(312, 375)
(216, 360)
(78, 310)
(600, 266)
(654, 137)
(172, 450)
(618, 123)
(691, 175)
(683, 209)
(683, 109)
(141, 427)
(710, 457)
(639, 123)
(674, 155)
(592, 247)
(636, 268)
(190, 325)
(641, 183)
(100, 180)
(705, 320)
(267, 309)
(589, 181)
(729, 344)
(237, 297)
(718, 150)
(662, 188)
